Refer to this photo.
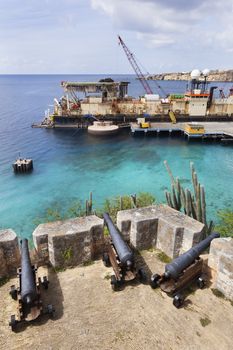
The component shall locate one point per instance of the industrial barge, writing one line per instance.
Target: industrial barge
(109, 100)
(98, 105)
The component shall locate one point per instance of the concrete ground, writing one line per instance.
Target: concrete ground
(89, 315)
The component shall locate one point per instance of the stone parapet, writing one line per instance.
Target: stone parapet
(9, 252)
(70, 242)
(221, 263)
(160, 226)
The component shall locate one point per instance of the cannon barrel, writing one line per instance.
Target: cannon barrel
(28, 282)
(125, 254)
(183, 261)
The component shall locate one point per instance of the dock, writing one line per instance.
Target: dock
(212, 130)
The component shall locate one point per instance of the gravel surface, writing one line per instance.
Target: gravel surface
(89, 315)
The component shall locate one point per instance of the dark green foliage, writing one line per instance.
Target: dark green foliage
(107, 277)
(225, 226)
(164, 258)
(58, 269)
(56, 212)
(193, 205)
(145, 199)
(106, 232)
(115, 204)
(205, 321)
(111, 205)
(218, 293)
(4, 280)
(88, 263)
(67, 254)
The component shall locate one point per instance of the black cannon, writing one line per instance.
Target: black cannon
(183, 271)
(121, 257)
(29, 290)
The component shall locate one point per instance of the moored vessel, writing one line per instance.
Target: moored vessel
(102, 128)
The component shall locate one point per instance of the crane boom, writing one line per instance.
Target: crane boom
(135, 67)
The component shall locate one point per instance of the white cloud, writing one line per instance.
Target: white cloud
(80, 35)
(165, 22)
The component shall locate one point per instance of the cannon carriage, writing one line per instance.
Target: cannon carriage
(121, 257)
(28, 294)
(183, 271)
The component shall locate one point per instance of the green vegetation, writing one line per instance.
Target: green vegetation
(193, 205)
(164, 258)
(179, 198)
(145, 199)
(218, 293)
(88, 263)
(68, 254)
(107, 277)
(205, 321)
(111, 205)
(225, 226)
(115, 204)
(106, 233)
(58, 269)
(151, 250)
(4, 280)
(57, 212)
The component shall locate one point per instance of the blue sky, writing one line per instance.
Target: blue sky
(80, 36)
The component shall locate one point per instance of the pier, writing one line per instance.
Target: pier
(212, 130)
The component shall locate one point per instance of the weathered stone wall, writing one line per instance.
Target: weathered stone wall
(9, 253)
(70, 242)
(160, 226)
(221, 263)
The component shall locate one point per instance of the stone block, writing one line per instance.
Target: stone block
(124, 219)
(70, 242)
(143, 232)
(138, 226)
(40, 240)
(10, 251)
(66, 250)
(3, 266)
(160, 226)
(170, 238)
(221, 263)
(97, 240)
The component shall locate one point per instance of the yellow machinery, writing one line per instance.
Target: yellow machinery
(172, 117)
(145, 125)
(194, 129)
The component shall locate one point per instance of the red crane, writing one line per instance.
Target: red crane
(135, 66)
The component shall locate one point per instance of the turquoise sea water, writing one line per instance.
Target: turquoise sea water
(68, 164)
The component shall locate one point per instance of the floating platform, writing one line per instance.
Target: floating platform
(103, 128)
(204, 130)
(22, 165)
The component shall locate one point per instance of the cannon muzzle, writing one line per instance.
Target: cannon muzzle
(28, 282)
(124, 253)
(176, 267)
